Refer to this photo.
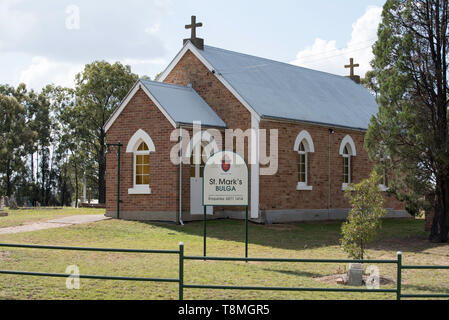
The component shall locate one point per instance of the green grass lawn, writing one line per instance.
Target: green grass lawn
(20, 217)
(226, 238)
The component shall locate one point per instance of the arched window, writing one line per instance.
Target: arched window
(141, 145)
(347, 151)
(346, 166)
(303, 145)
(142, 162)
(302, 164)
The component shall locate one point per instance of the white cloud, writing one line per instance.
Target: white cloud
(324, 55)
(43, 71)
(14, 24)
(153, 29)
(37, 48)
(103, 29)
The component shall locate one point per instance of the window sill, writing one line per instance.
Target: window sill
(303, 187)
(140, 190)
(383, 188)
(345, 186)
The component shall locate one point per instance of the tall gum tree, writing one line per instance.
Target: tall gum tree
(409, 135)
(99, 90)
(15, 135)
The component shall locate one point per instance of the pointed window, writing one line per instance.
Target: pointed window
(141, 145)
(348, 152)
(303, 146)
(302, 164)
(346, 166)
(142, 165)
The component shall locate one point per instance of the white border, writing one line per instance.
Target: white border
(255, 167)
(137, 138)
(304, 135)
(352, 153)
(348, 140)
(140, 136)
(309, 147)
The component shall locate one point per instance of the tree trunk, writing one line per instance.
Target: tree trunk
(440, 227)
(76, 185)
(32, 167)
(8, 179)
(435, 230)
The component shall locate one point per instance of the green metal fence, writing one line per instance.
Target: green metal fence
(221, 287)
(411, 267)
(179, 252)
(182, 258)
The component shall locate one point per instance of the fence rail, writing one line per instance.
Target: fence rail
(222, 287)
(411, 267)
(180, 252)
(183, 258)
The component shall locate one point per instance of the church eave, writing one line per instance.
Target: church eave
(321, 124)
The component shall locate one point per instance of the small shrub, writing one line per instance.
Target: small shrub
(364, 219)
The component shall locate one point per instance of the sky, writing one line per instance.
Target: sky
(50, 41)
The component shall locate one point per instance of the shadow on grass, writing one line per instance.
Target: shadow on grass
(406, 288)
(396, 234)
(296, 273)
(289, 237)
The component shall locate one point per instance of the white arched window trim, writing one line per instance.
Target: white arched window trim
(305, 138)
(352, 152)
(348, 140)
(133, 144)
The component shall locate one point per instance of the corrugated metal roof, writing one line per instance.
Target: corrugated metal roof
(183, 104)
(281, 90)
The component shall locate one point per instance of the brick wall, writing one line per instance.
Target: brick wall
(276, 192)
(190, 70)
(283, 185)
(141, 113)
(279, 191)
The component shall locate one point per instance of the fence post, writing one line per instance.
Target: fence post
(181, 270)
(399, 277)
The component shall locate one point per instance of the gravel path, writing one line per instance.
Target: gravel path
(55, 223)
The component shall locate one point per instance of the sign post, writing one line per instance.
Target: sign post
(225, 184)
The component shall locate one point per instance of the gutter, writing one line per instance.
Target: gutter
(287, 120)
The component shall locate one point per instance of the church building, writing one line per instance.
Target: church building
(320, 119)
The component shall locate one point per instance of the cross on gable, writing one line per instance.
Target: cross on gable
(193, 26)
(352, 66)
(197, 42)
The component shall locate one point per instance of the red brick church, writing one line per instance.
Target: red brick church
(321, 120)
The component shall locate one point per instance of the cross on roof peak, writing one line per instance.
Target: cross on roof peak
(352, 66)
(193, 26)
(199, 43)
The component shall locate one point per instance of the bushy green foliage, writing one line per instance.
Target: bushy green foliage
(364, 219)
(99, 90)
(15, 137)
(409, 136)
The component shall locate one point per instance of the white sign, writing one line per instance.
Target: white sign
(225, 180)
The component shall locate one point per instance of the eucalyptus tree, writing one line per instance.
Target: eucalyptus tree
(15, 135)
(100, 88)
(409, 135)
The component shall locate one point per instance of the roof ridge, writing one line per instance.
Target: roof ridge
(165, 84)
(275, 62)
